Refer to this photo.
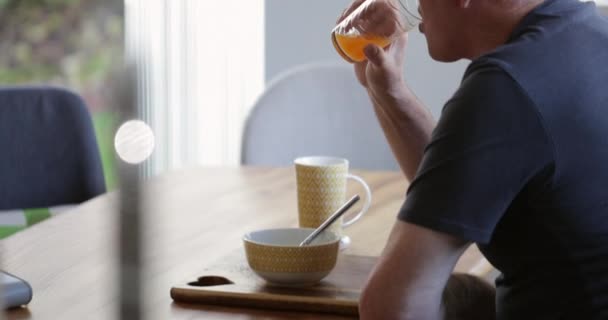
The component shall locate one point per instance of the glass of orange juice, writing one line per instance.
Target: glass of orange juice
(376, 22)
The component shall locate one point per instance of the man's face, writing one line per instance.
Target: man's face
(442, 27)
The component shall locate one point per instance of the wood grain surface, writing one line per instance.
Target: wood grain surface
(192, 218)
(230, 282)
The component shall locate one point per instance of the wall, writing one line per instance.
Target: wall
(297, 32)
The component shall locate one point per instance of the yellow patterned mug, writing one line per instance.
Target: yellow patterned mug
(321, 183)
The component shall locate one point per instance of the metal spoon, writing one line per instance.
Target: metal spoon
(330, 220)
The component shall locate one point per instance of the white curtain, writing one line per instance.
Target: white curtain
(200, 66)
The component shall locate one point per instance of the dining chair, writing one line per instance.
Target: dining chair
(49, 156)
(316, 109)
(320, 109)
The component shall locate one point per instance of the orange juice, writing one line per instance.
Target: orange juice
(351, 47)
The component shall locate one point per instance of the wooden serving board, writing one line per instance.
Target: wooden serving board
(230, 282)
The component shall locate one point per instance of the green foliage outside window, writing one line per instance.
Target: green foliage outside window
(69, 43)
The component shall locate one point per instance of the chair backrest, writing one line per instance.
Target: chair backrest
(313, 110)
(48, 151)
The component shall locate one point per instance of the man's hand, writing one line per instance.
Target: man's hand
(385, 72)
(406, 123)
(382, 73)
(410, 276)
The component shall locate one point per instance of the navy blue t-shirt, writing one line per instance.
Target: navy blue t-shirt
(518, 163)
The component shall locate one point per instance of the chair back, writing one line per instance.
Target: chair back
(48, 151)
(317, 109)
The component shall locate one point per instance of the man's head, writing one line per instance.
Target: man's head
(457, 29)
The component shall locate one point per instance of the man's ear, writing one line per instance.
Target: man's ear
(464, 3)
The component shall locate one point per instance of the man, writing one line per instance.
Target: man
(518, 162)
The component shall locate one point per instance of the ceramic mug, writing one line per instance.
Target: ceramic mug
(321, 188)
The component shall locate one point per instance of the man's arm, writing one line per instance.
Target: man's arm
(408, 281)
(407, 125)
(406, 122)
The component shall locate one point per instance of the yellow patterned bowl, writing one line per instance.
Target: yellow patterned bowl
(275, 255)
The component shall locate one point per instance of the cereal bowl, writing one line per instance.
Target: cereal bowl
(275, 255)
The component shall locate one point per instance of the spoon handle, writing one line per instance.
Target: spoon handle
(330, 220)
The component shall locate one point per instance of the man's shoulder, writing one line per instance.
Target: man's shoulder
(486, 81)
(486, 67)
(487, 96)
(561, 32)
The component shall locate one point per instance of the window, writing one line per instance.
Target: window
(200, 67)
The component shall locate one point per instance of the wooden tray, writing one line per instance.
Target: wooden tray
(231, 283)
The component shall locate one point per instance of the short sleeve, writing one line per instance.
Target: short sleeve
(489, 143)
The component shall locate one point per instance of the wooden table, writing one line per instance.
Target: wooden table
(192, 217)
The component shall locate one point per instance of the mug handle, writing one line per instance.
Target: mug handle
(368, 202)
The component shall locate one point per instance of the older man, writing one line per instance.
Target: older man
(518, 162)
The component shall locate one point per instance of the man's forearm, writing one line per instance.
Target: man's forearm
(407, 125)
(408, 281)
(378, 303)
